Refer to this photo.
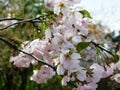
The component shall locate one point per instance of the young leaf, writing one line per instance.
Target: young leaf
(85, 13)
(82, 45)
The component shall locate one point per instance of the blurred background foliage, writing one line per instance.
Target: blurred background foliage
(11, 77)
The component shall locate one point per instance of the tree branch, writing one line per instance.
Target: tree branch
(32, 20)
(16, 48)
(9, 19)
(100, 47)
(20, 21)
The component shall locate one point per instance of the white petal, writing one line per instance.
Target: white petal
(48, 34)
(65, 80)
(81, 75)
(75, 56)
(76, 39)
(60, 69)
(56, 10)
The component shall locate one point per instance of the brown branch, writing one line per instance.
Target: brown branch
(32, 20)
(16, 48)
(100, 47)
(9, 19)
(21, 21)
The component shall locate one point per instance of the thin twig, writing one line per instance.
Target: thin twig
(21, 21)
(38, 19)
(100, 47)
(9, 19)
(16, 48)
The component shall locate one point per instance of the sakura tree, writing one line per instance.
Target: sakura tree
(60, 50)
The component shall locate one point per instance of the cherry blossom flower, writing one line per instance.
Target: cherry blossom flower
(60, 69)
(42, 75)
(90, 86)
(65, 80)
(81, 25)
(81, 74)
(49, 4)
(23, 61)
(116, 77)
(60, 6)
(109, 70)
(70, 62)
(118, 65)
(73, 2)
(74, 15)
(97, 72)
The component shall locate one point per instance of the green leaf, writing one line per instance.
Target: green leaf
(82, 45)
(85, 13)
(116, 57)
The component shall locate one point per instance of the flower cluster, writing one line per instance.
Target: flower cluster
(58, 49)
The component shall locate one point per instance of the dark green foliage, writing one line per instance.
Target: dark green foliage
(85, 13)
(82, 45)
